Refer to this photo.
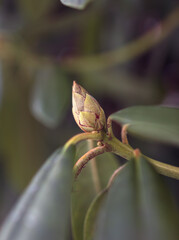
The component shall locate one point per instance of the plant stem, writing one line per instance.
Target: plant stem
(109, 128)
(84, 136)
(119, 148)
(127, 52)
(164, 169)
(111, 144)
(124, 134)
(80, 164)
(127, 152)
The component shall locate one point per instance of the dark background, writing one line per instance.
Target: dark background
(123, 52)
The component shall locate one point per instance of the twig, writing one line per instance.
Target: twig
(129, 51)
(80, 164)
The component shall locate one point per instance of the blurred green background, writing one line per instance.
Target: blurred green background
(123, 52)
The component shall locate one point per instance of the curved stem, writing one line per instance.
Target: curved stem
(84, 136)
(112, 144)
(109, 128)
(124, 134)
(80, 164)
(127, 152)
(164, 169)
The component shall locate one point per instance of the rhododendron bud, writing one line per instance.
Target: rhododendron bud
(86, 110)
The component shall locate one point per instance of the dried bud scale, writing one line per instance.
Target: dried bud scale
(86, 110)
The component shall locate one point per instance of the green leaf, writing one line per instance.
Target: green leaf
(121, 86)
(43, 212)
(78, 4)
(50, 97)
(92, 213)
(84, 189)
(152, 122)
(138, 206)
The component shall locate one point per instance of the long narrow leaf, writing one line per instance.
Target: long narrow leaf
(43, 212)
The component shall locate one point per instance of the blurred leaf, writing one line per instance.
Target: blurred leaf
(92, 213)
(153, 122)
(32, 9)
(84, 189)
(1, 83)
(43, 212)
(122, 85)
(138, 206)
(22, 143)
(127, 52)
(50, 97)
(78, 4)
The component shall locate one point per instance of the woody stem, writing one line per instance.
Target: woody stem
(109, 128)
(80, 164)
(124, 134)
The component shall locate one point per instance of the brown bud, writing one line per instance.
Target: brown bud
(86, 110)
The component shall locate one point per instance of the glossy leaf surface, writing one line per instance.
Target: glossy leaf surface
(138, 206)
(153, 122)
(43, 211)
(86, 188)
(92, 214)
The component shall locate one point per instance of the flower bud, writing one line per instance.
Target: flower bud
(86, 110)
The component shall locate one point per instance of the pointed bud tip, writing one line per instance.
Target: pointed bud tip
(76, 87)
(86, 110)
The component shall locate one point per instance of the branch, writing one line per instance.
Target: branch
(127, 52)
(80, 164)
